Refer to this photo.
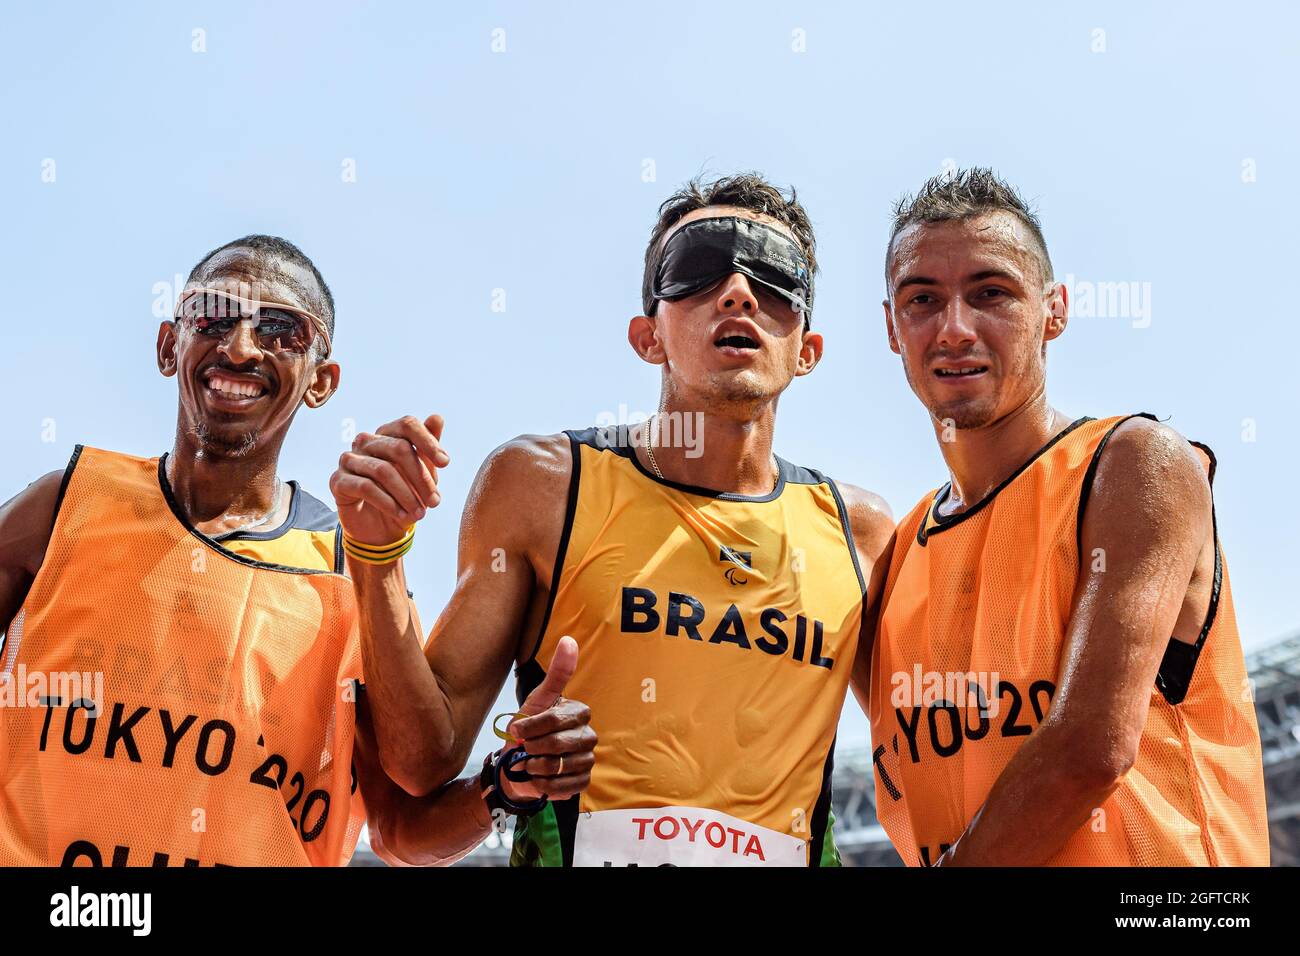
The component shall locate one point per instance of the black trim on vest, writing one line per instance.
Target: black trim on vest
(821, 812)
(799, 475)
(1179, 663)
(561, 552)
(943, 524)
(340, 561)
(1214, 460)
(566, 822)
(63, 485)
(1086, 491)
(613, 438)
(306, 513)
(1174, 676)
(853, 553)
(848, 532)
(180, 516)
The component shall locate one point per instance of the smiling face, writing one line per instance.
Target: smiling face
(734, 343)
(970, 312)
(237, 391)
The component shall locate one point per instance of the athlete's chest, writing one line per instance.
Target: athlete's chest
(993, 591)
(732, 587)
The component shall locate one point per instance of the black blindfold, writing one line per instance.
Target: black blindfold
(702, 252)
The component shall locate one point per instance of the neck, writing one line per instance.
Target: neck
(219, 494)
(712, 450)
(980, 459)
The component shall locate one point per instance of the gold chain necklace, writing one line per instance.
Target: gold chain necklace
(650, 453)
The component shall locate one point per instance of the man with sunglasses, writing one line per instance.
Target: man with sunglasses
(181, 646)
(715, 590)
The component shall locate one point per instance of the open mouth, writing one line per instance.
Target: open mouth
(232, 389)
(735, 342)
(965, 372)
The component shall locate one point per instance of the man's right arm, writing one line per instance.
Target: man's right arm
(26, 522)
(428, 704)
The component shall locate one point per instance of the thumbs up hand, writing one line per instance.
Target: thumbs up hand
(557, 734)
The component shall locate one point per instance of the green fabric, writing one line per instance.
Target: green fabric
(537, 840)
(830, 852)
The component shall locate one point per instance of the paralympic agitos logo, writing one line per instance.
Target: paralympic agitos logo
(685, 615)
(738, 562)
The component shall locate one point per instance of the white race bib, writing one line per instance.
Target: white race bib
(680, 836)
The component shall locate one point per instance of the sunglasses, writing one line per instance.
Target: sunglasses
(279, 327)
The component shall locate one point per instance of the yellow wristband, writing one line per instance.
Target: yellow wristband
(379, 553)
(368, 559)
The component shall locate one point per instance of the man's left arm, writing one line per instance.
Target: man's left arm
(1146, 522)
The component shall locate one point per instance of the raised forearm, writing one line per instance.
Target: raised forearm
(413, 723)
(433, 830)
(1047, 791)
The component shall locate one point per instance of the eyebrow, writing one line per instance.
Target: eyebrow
(915, 280)
(995, 274)
(976, 277)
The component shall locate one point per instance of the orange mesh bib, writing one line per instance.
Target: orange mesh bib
(171, 703)
(975, 614)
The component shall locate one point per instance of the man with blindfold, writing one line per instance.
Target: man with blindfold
(181, 660)
(715, 589)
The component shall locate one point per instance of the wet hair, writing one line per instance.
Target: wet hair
(967, 194)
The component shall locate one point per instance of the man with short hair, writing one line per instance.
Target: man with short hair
(204, 599)
(715, 590)
(1068, 576)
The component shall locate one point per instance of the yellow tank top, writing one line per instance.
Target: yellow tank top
(976, 607)
(180, 704)
(717, 634)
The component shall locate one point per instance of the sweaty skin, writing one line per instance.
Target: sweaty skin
(436, 697)
(971, 294)
(222, 471)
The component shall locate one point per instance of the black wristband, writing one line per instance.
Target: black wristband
(490, 784)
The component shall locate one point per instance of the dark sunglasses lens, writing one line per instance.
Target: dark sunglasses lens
(281, 331)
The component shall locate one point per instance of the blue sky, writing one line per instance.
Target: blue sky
(1157, 151)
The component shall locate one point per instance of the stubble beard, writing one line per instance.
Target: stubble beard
(220, 447)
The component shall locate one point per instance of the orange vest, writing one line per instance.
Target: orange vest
(172, 703)
(976, 607)
(717, 635)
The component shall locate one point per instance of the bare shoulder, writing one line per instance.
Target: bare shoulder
(40, 494)
(870, 518)
(1149, 478)
(523, 485)
(26, 521)
(1149, 459)
(528, 461)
